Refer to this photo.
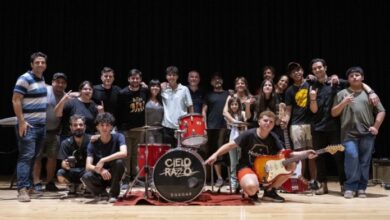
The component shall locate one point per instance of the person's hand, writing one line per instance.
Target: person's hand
(211, 160)
(100, 107)
(23, 127)
(164, 85)
(311, 154)
(105, 174)
(311, 78)
(374, 99)
(373, 130)
(66, 165)
(348, 98)
(95, 137)
(334, 80)
(313, 93)
(143, 85)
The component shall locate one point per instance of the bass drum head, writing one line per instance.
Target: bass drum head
(179, 175)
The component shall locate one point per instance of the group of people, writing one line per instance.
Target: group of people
(95, 132)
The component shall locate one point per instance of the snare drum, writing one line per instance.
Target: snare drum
(155, 151)
(179, 175)
(194, 128)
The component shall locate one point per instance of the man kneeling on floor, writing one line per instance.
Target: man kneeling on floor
(255, 142)
(73, 153)
(104, 165)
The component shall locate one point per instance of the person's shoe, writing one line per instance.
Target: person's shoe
(342, 190)
(51, 187)
(219, 182)
(361, 193)
(23, 195)
(38, 188)
(313, 185)
(272, 196)
(112, 200)
(323, 189)
(348, 194)
(254, 198)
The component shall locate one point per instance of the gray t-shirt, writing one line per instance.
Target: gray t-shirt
(52, 121)
(358, 116)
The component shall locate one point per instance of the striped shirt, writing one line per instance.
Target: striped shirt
(34, 102)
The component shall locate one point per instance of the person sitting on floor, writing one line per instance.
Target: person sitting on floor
(73, 153)
(255, 142)
(104, 165)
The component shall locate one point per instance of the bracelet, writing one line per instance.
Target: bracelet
(371, 92)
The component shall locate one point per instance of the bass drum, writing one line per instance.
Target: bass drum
(179, 175)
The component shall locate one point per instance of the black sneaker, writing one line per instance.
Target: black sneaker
(51, 187)
(272, 196)
(254, 198)
(313, 185)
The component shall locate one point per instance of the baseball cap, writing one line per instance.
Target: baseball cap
(60, 75)
(293, 66)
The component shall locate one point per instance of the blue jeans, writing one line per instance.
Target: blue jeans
(29, 147)
(357, 160)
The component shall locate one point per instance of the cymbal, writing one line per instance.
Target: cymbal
(8, 121)
(146, 128)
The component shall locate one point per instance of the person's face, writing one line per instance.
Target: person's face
(355, 79)
(318, 69)
(283, 83)
(234, 107)
(135, 80)
(107, 79)
(193, 78)
(59, 85)
(104, 128)
(172, 78)
(266, 123)
(86, 91)
(155, 90)
(77, 125)
(39, 65)
(217, 82)
(268, 74)
(297, 75)
(240, 86)
(267, 87)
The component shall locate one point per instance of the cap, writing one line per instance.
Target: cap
(60, 75)
(293, 66)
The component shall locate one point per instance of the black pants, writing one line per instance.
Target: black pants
(169, 137)
(97, 185)
(324, 139)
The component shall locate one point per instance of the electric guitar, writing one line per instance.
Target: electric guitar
(269, 167)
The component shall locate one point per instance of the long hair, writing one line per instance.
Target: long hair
(156, 82)
(262, 103)
(239, 113)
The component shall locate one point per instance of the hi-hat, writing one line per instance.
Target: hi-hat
(146, 128)
(238, 123)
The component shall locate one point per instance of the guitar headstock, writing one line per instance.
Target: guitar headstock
(332, 149)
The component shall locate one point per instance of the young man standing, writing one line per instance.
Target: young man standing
(359, 128)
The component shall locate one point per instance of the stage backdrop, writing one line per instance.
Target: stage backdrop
(232, 37)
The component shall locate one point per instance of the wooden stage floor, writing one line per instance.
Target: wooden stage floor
(298, 206)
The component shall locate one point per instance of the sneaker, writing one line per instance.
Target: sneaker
(112, 200)
(348, 194)
(323, 189)
(361, 193)
(51, 187)
(38, 188)
(23, 195)
(219, 182)
(254, 198)
(313, 185)
(272, 196)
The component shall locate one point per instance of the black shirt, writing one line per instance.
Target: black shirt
(98, 149)
(132, 108)
(197, 100)
(215, 102)
(69, 147)
(252, 146)
(298, 98)
(109, 98)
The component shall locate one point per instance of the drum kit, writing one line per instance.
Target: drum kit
(176, 175)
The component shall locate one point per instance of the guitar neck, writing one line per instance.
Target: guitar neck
(286, 139)
(301, 157)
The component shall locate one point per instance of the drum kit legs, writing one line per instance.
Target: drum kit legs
(177, 175)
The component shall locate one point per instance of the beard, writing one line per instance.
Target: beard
(78, 133)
